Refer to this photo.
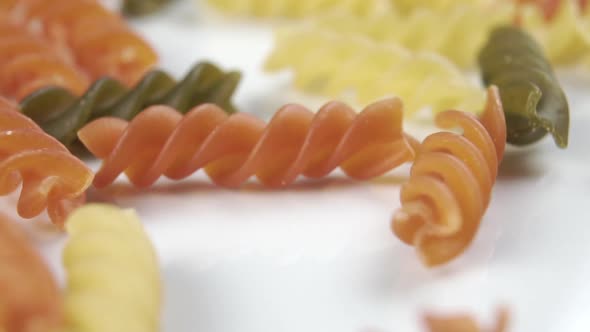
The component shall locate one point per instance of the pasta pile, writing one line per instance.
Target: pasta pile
(296, 141)
(332, 64)
(566, 38)
(61, 114)
(28, 63)
(298, 8)
(30, 299)
(438, 5)
(464, 323)
(426, 29)
(451, 182)
(100, 41)
(52, 178)
(113, 282)
(534, 102)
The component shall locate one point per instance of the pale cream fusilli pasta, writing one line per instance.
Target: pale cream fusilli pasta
(332, 64)
(457, 34)
(408, 5)
(113, 283)
(566, 38)
(297, 8)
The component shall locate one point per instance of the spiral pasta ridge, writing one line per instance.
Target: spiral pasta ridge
(437, 5)
(457, 34)
(451, 183)
(113, 278)
(52, 178)
(28, 63)
(534, 102)
(100, 40)
(298, 8)
(332, 64)
(61, 114)
(30, 298)
(566, 38)
(233, 148)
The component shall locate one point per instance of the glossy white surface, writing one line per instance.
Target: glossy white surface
(319, 256)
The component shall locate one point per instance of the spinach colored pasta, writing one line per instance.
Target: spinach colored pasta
(534, 102)
(142, 7)
(113, 278)
(61, 113)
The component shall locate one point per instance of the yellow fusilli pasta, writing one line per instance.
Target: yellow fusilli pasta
(113, 283)
(457, 34)
(331, 64)
(298, 8)
(409, 5)
(566, 38)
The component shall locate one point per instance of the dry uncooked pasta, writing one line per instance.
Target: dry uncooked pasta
(566, 38)
(28, 63)
(231, 149)
(52, 178)
(464, 323)
(30, 298)
(101, 42)
(451, 183)
(457, 34)
(298, 8)
(113, 279)
(332, 64)
(61, 114)
(438, 5)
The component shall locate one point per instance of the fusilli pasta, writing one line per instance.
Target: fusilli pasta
(233, 148)
(534, 102)
(52, 178)
(30, 298)
(28, 63)
(457, 34)
(113, 279)
(101, 42)
(451, 183)
(298, 8)
(62, 114)
(331, 64)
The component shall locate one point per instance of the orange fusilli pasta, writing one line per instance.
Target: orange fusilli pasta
(30, 299)
(451, 183)
(101, 42)
(233, 148)
(28, 63)
(52, 178)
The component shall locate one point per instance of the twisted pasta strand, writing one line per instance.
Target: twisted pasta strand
(457, 34)
(566, 38)
(62, 114)
(113, 280)
(465, 323)
(51, 177)
(332, 64)
(101, 42)
(437, 5)
(28, 63)
(30, 299)
(233, 148)
(451, 183)
(298, 8)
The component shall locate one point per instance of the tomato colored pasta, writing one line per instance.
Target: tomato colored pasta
(52, 178)
(451, 183)
(113, 278)
(30, 298)
(101, 42)
(161, 141)
(28, 63)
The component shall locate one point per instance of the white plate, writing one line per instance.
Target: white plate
(319, 256)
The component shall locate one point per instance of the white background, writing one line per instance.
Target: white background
(319, 256)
